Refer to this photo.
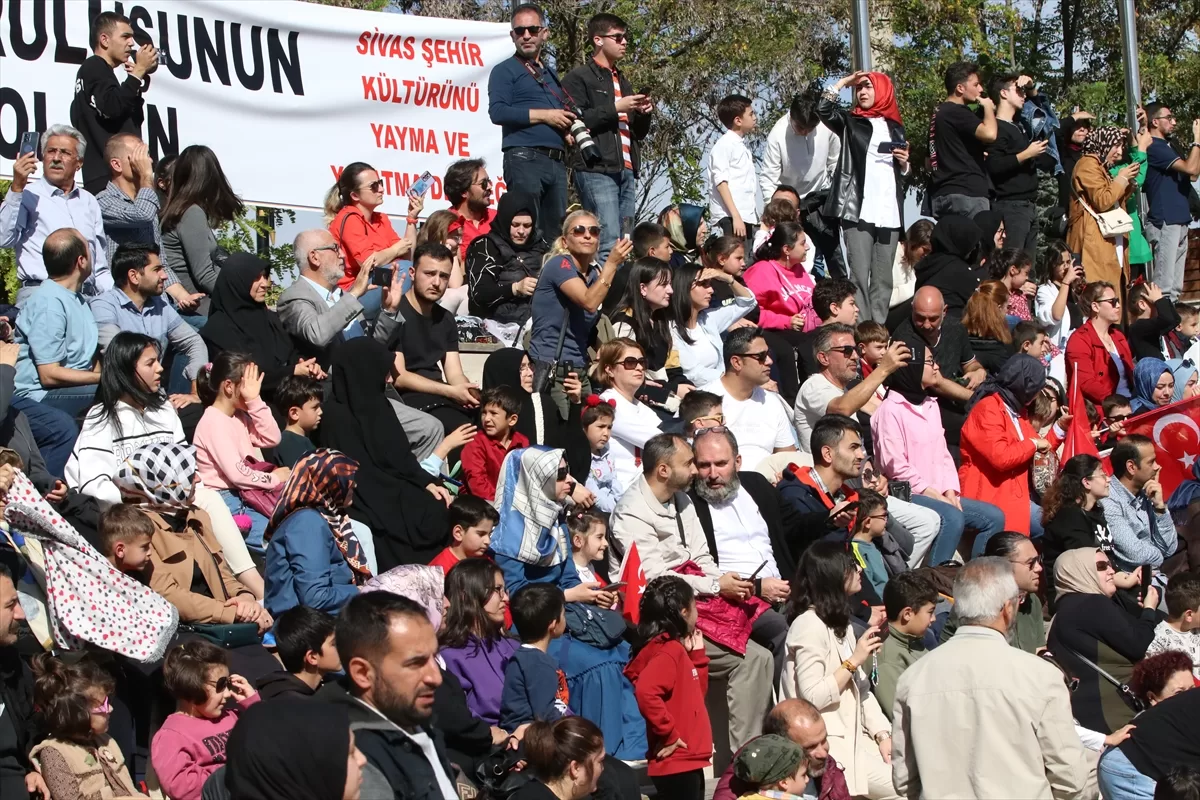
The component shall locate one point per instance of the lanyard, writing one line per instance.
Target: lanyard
(558, 91)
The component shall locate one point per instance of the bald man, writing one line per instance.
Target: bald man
(800, 721)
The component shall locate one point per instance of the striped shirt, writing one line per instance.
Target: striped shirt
(622, 123)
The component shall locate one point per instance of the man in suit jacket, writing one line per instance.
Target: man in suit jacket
(978, 718)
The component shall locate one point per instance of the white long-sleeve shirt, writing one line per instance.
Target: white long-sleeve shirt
(703, 361)
(804, 162)
(103, 445)
(28, 217)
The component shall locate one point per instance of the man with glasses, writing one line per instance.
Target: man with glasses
(469, 191)
(527, 100)
(618, 120)
(756, 416)
(1029, 626)
(1168, 182)
(837, 389)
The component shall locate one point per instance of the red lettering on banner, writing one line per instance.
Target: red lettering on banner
(386, 44)
(456, 143)
(447, 51)
(445, 95)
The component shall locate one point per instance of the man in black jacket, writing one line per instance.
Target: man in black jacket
(388, 649)
(1013, 161)
(103, 107)
(18, 778)
(618, 120)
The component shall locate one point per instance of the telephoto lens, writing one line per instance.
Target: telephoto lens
(586, 144)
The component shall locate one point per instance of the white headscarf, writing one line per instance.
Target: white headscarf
(529, 528)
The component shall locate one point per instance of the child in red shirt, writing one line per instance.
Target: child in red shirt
(483, 455)
(471, 524)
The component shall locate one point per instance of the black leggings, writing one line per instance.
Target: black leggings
(680, 786)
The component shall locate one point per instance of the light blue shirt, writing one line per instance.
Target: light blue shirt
(28, 217)
(55, 326)
(115, 312)
(331, 296)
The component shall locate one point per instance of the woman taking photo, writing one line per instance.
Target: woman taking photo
(696, 325)
(315, 557)
(829, 669)
(1093, 192)
(1072, 515)
(503, 265)
(566, 757)
(871, 203)
(1059, 281)
(621, 367)
(1089, 624)
(983, 319)
(566, 304)
(1098, 354)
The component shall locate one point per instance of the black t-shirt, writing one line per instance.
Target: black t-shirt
(960, 167)
(723, 293)
(425, 341)
(1014, 180)
(952, 351)
(291, 448)
(1167, 736)
(103, 107)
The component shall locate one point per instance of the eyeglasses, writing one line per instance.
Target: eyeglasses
(333, 247)
(532, 30)
(374, 186)
(486, 183)
(562, 473)
(714, 429)
(1116, 301)
(632, 363)
(220, 684)
(499, 591)
(884, 515)
(616, 37)
(1030, 563)
(103, 708)
(1103, 566)
(846, 350)
(1119, 417)
(759, 357)
(580, 230)
(1167, 116)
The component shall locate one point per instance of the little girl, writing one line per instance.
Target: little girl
(597, 420)
(670, 680)
(589, 544)
(78, 759)
(190, 745)
(235, 425)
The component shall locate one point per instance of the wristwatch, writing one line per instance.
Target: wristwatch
(879, 737)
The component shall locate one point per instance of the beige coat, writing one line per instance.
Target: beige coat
(1102, 193)
(851, 719)
(977, 718)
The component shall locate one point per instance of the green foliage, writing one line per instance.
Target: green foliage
(244, 235)
(8, 262)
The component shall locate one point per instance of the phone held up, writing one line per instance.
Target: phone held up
(421, 187)
(382, 276)
(29, 143)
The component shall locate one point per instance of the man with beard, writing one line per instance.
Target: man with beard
(1029, 628)
(18, 777)
(388, 649)
(468, 188)
(820, 493)
(1028, 746)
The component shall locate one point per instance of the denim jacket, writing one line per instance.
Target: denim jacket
(1040, 120)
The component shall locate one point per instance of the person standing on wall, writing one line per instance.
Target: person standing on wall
(958, 139)
(1168, 180)
(528, 102)
(103, 107)
(618, 120)
(1013, 161)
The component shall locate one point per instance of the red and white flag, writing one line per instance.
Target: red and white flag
(1079, 439)
(634, 579)
(1175, 431)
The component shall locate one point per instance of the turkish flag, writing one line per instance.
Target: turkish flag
(635, 585)
(1175, 431)
(1079, 439)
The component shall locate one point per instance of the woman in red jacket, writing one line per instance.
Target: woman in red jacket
(999, 443)
(1098, 356)
(670, 679)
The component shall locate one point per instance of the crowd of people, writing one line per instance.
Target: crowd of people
(780, 455)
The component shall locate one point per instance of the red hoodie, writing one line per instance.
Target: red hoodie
(670, 684)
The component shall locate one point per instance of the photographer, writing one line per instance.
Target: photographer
(527, 101)
(1013, 161)
(618, 120)
(103, 107)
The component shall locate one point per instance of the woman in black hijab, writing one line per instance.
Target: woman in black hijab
(503, 265)
(948, 267)
(402, 504)
(242, 323)
(294, 750)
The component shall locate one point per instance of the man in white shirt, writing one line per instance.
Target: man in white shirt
(732, 184)
(802, 154)
(757, 418)
(32, 210)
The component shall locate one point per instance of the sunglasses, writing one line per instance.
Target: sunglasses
(759, 357)
(619, 38)
(103, 708)
(1031, 562)
(580, 230)
(1116, 301)
(717, 418)
(374, 186)
(486, 183)
(714, 429)
(846, 350)
(1119, 417)
(220, 684)
(632, 363)
(884, 515)
(1103, 566)
(532, 30)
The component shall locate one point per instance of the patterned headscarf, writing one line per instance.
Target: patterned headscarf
(324, 480)
(160, 477)
(529, 529)
(1100, 140)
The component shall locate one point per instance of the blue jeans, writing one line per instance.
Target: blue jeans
(258, 523)
(1036, 531)
(611, 197)
(197, 321)
(532, 171)
(1120, 780)
(372, 302)
(976, 514)
(52, 421)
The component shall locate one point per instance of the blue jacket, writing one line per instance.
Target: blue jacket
(532, 690)
(305, 566)
(512, 93)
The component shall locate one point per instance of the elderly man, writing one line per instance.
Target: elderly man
(32, 210)
(657, 516)
(978, 718)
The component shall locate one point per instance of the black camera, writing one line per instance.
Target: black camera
(588, 150)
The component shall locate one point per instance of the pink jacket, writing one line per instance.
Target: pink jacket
(726, 622)
(186, 750)
(223, 442)
(781, 294)
(910, 444)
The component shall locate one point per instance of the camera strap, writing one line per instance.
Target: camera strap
(558, 91)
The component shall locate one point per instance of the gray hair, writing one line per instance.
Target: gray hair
(303, 245)
(823, 339)
(982, 588)
(65, 130)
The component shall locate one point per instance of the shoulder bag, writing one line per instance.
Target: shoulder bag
(1131, 700)
(1114, 223)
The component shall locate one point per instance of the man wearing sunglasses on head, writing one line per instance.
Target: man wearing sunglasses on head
(527, 100)
(618, 120)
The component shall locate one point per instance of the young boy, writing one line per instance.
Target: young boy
(771, 766)
(125, 534)
(304, 638)
(909, 600)
(298, 400)
(870, 522)
(1181, 629)
(872, 340)
(1030, 338)
(699, 409)
(1180, 340)
(534, 687)
(1117, 409)
(1153, 317)
(483, 455)
(597, 420)
(471, 523)
(732, 182)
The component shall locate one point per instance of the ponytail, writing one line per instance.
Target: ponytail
(550, 747)
(338, 196)
(785, 235)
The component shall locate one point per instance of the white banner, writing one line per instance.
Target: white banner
(286, 93)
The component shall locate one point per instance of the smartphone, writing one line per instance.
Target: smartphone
(381, 276)
(1147, 576)
(612, 587)
(887, 147)
(29, 143)
(421, 187)
(755, 575)
(849, 509)
(626, 227)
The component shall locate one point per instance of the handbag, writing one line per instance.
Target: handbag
(1133, 701)
(227, 635)
(495, 775)
(600, 627)
(1114, 223)
(261, 500)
